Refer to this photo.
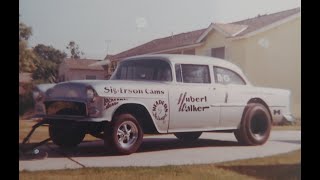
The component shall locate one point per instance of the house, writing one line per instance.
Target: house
(77, 69)
(266, 47)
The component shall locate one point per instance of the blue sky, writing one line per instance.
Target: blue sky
(101, 26)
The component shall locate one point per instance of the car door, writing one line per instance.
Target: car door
(193, 99)
(235, 99)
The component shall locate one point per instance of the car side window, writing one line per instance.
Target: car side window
(227, 76)
(192, 73)
(149, 69)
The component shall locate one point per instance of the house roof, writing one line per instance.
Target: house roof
(264, 20)
(231, 29)
(25, 77)
(82, 64)
(234, 29)
(178, 40)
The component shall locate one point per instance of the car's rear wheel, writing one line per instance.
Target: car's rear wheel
(65, 136)
(255, 126)
(124, 135)
(188, 136)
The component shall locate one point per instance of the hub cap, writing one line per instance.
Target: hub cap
(127, 134)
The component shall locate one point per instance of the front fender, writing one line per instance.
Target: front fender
(111, 106)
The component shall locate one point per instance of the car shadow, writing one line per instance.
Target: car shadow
(97, 148)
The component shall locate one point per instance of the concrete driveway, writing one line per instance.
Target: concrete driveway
(163, 150)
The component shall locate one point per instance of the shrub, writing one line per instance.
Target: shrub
(26, 102)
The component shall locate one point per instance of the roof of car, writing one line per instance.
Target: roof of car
(191, 59)
(188, 59)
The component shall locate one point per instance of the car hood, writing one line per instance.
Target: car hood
(108, 88)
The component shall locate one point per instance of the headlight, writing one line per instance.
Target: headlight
(91, 94)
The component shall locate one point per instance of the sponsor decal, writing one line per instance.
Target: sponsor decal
(190, 103)
(111, 90)
(109, 102)
(276, 112)
(160, 110)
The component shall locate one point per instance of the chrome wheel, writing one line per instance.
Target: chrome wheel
(127, 134)
(124, 135)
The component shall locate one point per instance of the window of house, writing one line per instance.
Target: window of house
(227, 76)
(91, 77)
(218, 52)
(195, 73)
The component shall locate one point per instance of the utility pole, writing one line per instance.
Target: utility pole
(108, 42)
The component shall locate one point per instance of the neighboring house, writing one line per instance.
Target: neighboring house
(24, 79)
(77, 69)
(266, 47)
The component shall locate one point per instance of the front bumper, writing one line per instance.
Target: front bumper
(71, 118)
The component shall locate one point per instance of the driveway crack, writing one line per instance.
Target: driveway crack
(65, 155)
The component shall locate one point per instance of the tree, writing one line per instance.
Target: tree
(74, 50)
(27, 58)
(48, 64)
(24, 32)
(47, 71)
(49, 53)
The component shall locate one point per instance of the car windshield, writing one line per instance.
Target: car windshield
(147, 69)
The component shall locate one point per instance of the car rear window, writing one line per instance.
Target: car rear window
(227, 76)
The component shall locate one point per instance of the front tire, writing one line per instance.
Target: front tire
(65, 136)
(124, 135)
(188, 136)
(255, 126)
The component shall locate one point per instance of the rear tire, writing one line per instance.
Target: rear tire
(188, 136)
(124, 135)
(255, 126)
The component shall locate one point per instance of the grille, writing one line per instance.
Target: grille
(66, 108)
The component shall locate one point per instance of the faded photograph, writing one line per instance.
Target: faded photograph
(159, 89)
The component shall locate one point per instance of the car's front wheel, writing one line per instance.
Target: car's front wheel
(124, 134)
(65, 136)
(188, 136)
(255, 126)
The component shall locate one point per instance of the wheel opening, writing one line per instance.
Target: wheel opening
(142, 116)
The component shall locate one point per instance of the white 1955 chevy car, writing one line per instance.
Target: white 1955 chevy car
(180, 94)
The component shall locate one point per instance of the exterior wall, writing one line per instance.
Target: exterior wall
(79, 74)
(270, 59)
(62, 70)
(214, 40)
(234, 50)
(273, 59)
(236, 53)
